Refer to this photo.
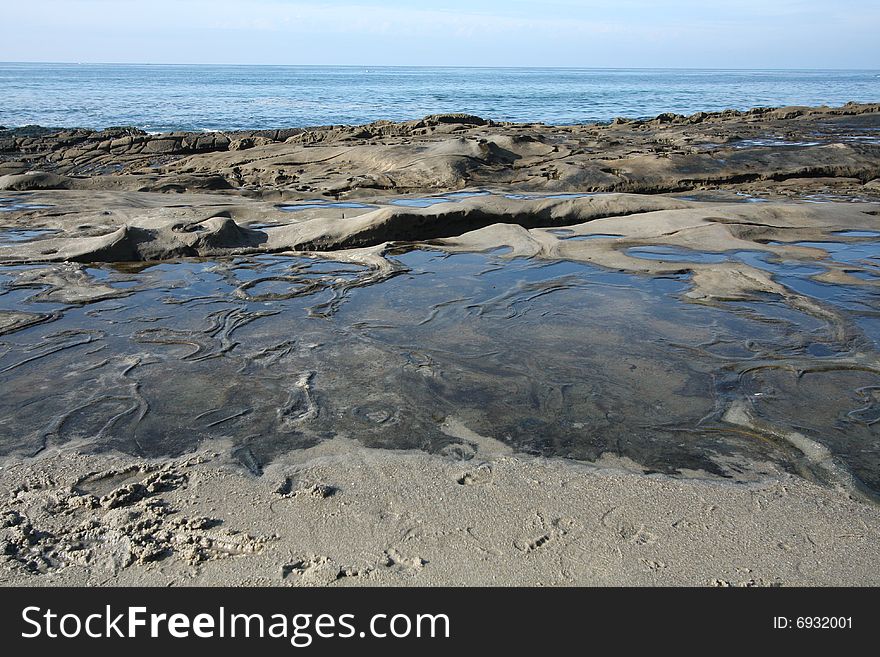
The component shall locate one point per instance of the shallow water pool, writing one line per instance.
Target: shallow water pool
(555, 358)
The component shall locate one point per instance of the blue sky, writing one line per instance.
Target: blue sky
(615, 33)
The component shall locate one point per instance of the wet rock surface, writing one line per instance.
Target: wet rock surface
(641, 353)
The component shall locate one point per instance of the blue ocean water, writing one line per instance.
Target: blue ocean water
(159, 97)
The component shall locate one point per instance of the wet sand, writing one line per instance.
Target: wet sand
(484, 365)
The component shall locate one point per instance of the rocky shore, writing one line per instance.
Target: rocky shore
(733, 207)
(829, 150)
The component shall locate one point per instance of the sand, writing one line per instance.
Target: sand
(340, 513)
(343, 515)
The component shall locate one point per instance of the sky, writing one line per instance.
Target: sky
(610, 34)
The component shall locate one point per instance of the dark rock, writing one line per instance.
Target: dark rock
(464, 119)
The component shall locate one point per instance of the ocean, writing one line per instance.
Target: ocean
(160, 98)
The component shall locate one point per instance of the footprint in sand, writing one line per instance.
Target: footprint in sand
(318, 570)
(403, 564)
(482, 474)
(636, 535)
(558, 528)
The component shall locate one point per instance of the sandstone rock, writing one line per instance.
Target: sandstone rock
(33, 180)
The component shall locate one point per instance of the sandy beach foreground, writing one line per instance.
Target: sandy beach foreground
(444, 352)
(343, 515)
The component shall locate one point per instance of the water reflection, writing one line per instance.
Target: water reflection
(554, 358)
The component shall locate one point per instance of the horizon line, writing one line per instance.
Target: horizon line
(428, 66)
